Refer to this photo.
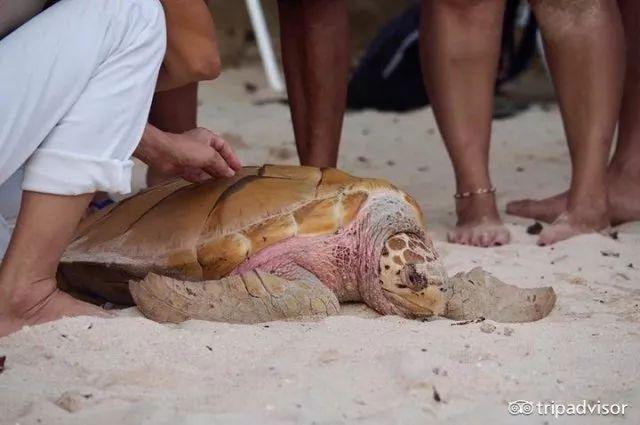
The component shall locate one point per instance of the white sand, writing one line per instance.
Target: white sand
(358, 368)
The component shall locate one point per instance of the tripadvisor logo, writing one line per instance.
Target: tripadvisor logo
(551, 408)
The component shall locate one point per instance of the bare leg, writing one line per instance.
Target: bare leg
(291, 14)
(28, 293)
(623, 175)
(624, 168)
(460, 52)
(315, 49)
(69, 111)
(578, 35)
(174, 111)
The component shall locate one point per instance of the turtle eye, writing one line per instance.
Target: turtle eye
(415, 279)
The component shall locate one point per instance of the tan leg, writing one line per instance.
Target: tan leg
(28, 293)
(250, 297)
(460, 52)
(315, 51)
(624, 169)
(584, 44)
(623, 174)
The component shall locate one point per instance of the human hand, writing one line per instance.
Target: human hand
(195, 155)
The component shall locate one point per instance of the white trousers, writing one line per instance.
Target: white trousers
(76, 84)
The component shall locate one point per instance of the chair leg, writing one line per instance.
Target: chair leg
(274, 77)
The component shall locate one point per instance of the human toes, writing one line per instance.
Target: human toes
(491, 235)
(481, 237)
(502, 237)
(552, 234)
(460, 236)
(560, 230)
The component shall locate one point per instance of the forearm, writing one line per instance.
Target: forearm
(153, 145)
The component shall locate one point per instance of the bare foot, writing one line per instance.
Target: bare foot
(55, 305)
(624, 197)
(624, 202)
(570, 224)
(479, 223)
(546, 210)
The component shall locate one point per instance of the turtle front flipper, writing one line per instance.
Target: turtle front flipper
(478, 294)
(250, 297)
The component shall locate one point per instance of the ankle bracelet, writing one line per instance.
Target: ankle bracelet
(481, 191)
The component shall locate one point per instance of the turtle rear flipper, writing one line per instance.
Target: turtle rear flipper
(478, 294)
(250, 297)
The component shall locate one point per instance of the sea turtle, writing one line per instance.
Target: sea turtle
(278, 242)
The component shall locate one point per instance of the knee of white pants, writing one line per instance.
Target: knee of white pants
(63, 164)
(156, 26)
(146, 19)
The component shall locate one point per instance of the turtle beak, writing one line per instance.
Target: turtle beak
(422, 275)
(430, 301)
(421, 290)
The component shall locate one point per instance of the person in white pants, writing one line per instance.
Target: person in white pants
(76, 85)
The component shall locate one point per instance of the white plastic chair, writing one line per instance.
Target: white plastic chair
(269, 62)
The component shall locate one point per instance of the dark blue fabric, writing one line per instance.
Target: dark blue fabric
(401, 89)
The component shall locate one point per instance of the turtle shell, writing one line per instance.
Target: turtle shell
(204, 231)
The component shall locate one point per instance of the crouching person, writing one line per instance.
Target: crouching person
(76, 86)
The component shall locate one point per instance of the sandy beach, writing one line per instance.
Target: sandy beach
(358, 367)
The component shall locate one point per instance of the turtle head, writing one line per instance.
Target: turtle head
(412, 276)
